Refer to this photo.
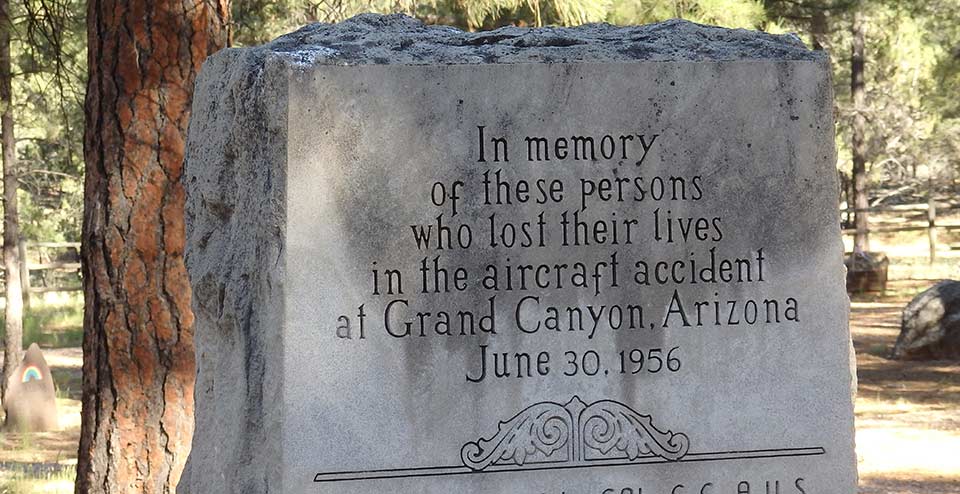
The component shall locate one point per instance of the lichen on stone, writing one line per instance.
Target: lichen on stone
(399, 39)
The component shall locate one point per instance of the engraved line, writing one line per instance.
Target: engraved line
(397, 473)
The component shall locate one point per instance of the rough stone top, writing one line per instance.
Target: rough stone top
(399, 39)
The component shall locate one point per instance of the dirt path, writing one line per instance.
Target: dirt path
(908, 413)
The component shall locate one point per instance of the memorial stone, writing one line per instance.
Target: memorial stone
(597, 260)
(30, 402)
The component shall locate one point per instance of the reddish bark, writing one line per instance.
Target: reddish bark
(139, 366)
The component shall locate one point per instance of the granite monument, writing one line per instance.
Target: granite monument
(596, 260)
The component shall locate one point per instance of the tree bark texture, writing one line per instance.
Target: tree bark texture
(13, 313)
(861, 241)
(819, 28)
(139, 364)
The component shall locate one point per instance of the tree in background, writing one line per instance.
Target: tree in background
(481, 14)
(906, 121)
(861, 242)
(51, 55)
(817, 18)
(749, 14)
(134, 289)
(258, 21)
(40, 84)
(939, 83)
(897, 116)
(139, 365)
(13, 312)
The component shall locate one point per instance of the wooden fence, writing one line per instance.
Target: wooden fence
(68, 261)
(930, 223)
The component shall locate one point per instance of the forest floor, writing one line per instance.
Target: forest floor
(907, 413)
(46, 462)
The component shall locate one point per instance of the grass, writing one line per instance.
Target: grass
(42, 462)
(55, 321)
(45, 462)
(22, 481)
(67, 386)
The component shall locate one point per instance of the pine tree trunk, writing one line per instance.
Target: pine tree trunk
(819, 28)
(861, 241)
(13, 323)
(139, 366)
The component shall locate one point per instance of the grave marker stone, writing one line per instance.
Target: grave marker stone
(593, 260)
(30, 401)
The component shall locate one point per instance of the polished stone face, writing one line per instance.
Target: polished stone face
(563, 278)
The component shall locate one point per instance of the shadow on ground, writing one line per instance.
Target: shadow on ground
(908, 412)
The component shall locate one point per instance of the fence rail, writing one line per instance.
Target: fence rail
(932, 208)
(63, 264)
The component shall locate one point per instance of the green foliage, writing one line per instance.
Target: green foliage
(257, 21)
(49, 58)
(474, 14)
(21, 481)
(488, 13)
(53, 323)
(727, 13)
(912, 127)
(912, 77)
(942, 23)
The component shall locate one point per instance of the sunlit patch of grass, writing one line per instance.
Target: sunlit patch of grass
(53, 322)
(20, 481)
(42, 447)
(68, 382)
(42, 462)
(69, 414)
(25, 442)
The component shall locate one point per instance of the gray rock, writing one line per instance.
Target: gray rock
(398, 39)
(930, 327)
(235, 172)
(30, 401)
(236, 177)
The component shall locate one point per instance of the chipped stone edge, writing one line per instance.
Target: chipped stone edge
(375, 39)
(235, 178)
